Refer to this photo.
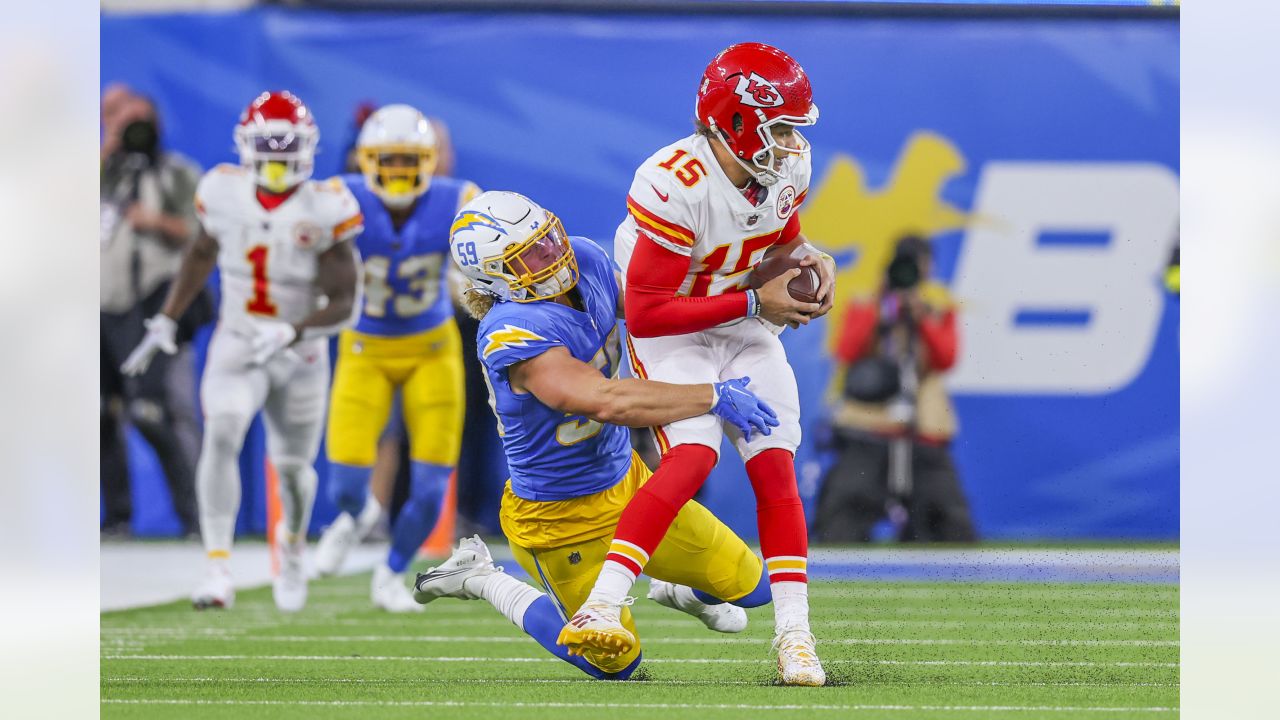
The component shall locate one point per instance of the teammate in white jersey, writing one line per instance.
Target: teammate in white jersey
(702, 213)
(289, 280)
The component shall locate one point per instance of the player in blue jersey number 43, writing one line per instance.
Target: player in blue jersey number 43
(548, 340)
(404, 341)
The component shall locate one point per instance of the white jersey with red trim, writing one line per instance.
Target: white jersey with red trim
(267, 258)
(683, 201)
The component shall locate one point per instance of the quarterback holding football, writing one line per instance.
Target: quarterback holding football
(701, 215)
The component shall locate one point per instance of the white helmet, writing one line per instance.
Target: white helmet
(511, 248)
(397, 154)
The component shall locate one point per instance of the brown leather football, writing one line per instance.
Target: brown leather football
(803, 287)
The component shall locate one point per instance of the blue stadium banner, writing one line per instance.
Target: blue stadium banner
(1042, 156)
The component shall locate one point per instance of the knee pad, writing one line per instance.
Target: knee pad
(349, 487)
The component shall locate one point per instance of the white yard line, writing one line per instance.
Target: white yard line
(679, 661)
(133, 679)
(220, 634)
(993, 557)
(644, 706)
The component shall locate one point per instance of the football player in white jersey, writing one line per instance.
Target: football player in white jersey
(702, 213)
(289, 280)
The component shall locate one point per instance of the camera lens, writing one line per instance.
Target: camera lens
(140, 137)
(904, 273)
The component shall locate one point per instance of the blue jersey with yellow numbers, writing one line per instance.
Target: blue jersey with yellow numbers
(404, 288)
(551, 455)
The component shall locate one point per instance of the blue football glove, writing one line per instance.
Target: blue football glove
(738, 405)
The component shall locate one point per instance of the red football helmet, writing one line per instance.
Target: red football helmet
(747, 89)
(277, 140)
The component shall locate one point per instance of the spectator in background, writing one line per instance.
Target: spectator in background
(147, 220)
(894, 424)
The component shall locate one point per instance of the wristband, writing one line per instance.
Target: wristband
(753, 303)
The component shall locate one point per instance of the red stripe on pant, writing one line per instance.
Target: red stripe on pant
(779, 512)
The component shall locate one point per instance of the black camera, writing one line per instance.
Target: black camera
(904, 270)
(141, 137)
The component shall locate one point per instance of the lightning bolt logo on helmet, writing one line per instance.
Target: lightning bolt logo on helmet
(470, 219)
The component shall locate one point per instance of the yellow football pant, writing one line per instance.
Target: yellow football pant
(427, 367)
(562, 545)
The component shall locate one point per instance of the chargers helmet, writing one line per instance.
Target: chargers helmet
(510, 247)
(397, 152)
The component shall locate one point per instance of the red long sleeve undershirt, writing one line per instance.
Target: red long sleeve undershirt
(654, 276)
(652, 307)
(937, 333)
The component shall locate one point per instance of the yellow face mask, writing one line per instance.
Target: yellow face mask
(398, 182)
(274, 176)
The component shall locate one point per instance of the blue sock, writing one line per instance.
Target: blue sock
(760, 595)
(427, 486)
(543, 623)
(349, 487)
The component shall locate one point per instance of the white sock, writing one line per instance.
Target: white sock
(218, 483)
(613, 584)
(297, 496)
(506, 594)
(369, 516)
(790, 606)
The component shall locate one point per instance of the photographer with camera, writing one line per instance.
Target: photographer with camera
(148, 218)
(894, 423)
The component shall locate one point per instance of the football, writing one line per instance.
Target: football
(803, 287)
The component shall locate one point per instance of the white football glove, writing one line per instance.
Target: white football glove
(270, 338)
(161, 331)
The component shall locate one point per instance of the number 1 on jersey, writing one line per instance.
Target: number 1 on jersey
(260, 303)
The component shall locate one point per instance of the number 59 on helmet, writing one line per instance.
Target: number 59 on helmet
(511, 248)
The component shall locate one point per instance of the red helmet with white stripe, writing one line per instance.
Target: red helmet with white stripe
(746, 90)
(277, 140)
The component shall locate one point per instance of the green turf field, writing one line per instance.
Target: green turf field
(892, 650)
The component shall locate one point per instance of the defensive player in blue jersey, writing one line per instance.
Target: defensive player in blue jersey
(548, 340)
(405, 340)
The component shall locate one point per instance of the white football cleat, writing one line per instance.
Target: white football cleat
(448, 579)
(597, 628)
(215, 590)
(725, 618)
(336, 541)
(289, 588)
(798, 662)
(389, 592)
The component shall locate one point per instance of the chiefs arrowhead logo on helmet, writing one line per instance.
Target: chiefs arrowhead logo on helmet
(757, 92)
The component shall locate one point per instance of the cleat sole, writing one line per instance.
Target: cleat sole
(609, 644)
